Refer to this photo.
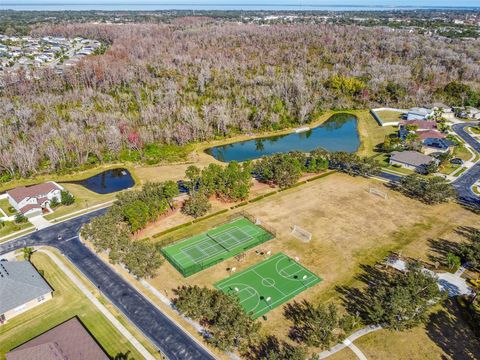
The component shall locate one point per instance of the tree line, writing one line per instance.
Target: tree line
(112, 231)
(169, 85)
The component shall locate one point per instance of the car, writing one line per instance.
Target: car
(456, 161)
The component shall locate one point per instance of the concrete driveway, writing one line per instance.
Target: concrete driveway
(39, 222)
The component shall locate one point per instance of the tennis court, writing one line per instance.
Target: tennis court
(194, 254)
(266, 285)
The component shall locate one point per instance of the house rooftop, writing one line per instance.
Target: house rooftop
(420, 124)
(67, 341)
(441, 144)
(430, 134)
(20, 283)
(420, 111)
(22, 192)
(413, 158)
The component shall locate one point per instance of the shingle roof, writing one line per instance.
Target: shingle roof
(67, 341)
(421, 124)
(413, 158)
(441, 144)
(22, 192)
(433, 134)
(19, 283)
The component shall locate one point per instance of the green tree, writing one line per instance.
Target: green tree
(66, 198)
(283, 170)
(20, 218)
(137, 215)
(193, 174)
(318, 326)
(143, 259)
(401, 301)
(271, 348)
(453, 261)
(430, 190)
(226, 321)
(54, 203)
(196, 205)
(27, 253)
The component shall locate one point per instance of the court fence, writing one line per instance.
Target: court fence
(254, 219)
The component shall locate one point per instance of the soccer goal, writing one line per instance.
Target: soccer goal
(379, 193)
(301, 234)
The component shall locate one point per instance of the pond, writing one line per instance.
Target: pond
(338, 133)
(108, 181)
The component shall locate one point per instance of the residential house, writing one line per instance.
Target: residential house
(419, 113)
(420, 125)
(412, 160)
(436, 145)
(425, 134)
(69, 340)
(21, 289)
(32, 200)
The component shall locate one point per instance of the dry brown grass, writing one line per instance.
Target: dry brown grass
(350, 227)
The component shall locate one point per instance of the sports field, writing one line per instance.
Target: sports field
(204, 250)
(264, 286)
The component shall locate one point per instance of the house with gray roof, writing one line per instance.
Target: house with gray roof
(412, 160)
(419, 113)
(21, 289)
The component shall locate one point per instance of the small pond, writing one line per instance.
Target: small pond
(108, 181)
(338, 133)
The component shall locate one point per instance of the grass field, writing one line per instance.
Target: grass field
(5, 206)
(264, 286)
(371, 134)
(84, 199)
(192, 255)
(389, 115)
(68, 301)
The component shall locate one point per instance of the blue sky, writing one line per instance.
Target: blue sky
(259, 2)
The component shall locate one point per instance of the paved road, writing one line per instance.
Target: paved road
(162, 331)
(464, 183)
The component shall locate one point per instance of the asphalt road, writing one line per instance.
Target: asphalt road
(464, 183)
(163, 332)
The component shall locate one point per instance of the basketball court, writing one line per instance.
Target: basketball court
(266, 285)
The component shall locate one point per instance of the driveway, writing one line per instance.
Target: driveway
(39, 222)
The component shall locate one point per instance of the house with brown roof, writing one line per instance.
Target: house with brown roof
(21, 289)
(32, 200)
(67, 341)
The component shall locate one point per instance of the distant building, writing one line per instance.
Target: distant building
(419, 114)
(31, 201)
(67, 341)
(412, 160)
(21, 289)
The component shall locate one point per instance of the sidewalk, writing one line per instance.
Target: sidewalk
(138, 346)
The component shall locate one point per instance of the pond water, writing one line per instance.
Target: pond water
(338, 133)
(108, 181)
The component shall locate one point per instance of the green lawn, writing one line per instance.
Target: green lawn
(9, 227)
(462, 153)
(460, 172)
(389, 115)
(475, 130)
(194, 254)
(5, 206)
(266, 285)
(84, 199)
(68, 301)
(371, 133)
(448, 168)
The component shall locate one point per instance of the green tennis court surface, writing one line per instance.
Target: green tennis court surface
(194, 254)
(264, 286)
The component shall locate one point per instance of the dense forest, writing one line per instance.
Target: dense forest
(159, 87)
